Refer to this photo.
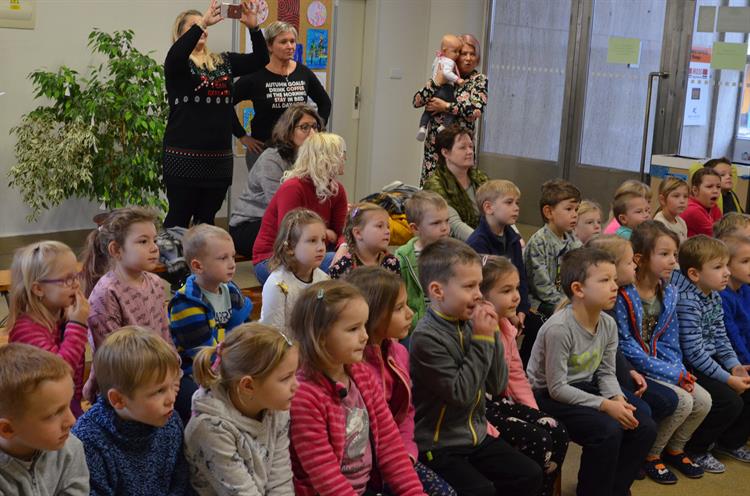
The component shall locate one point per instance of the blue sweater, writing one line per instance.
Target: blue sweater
(703, 338)
(192, 322)
(737, 320)
(661, 358)
(132, 458)
(486, 242)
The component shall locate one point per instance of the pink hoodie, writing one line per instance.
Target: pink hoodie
(518, 389)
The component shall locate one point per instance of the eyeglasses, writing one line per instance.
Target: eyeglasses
(306, 127)
(68, 281)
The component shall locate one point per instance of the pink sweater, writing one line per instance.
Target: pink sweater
(67, 340)
(115, 304)
(318, 435)
(390, 364)
(518, 389)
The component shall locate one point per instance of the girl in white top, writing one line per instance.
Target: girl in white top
(673, 200)
(237, 442)
(298, 251)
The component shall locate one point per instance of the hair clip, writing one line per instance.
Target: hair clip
(321, 293)
(286, 338)
(217, 362)
(484, 260)
(355, 212)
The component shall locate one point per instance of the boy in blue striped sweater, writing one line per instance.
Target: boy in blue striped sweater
(709, 355)
(208, 305)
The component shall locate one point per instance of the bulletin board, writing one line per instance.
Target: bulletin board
(314, 22)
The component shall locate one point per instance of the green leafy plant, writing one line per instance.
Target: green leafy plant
(100, 137)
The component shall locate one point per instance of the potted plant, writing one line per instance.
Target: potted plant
(99, 137)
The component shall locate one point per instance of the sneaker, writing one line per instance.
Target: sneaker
(742, 453)
(684, 464)
(709, 463)
(659, 472)
(422, 133)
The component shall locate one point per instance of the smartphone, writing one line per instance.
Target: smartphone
(231, 10)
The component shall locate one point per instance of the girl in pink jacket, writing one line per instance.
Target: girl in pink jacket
(515, 412)
(344, 439)
(389, 320)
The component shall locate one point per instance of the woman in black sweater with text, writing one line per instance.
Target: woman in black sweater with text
(281, 84)
(198, 160)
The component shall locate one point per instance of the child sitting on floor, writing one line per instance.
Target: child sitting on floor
(208, 306)
(237, 441)
(708, 352)
(630, 210)
(367, 233)
(589, 221)
(729, 202)
(298, 251)
(47, 307)
(37, 453)
(456, 358)
(702, 211)
(629, 186)
(427, 213)
(673, 200)
(572, 372)
(132, 435)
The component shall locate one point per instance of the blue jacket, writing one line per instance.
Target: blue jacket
(192, 323)
(737, 319)
(660, 359)
(703, 338)
(486, 242)
(126, 457)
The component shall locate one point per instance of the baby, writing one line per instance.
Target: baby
(445, 62)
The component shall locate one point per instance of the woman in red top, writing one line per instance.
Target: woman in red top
(702, 210)
(311, 184)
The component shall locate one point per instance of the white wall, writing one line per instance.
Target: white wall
(402, 36)
(399, 34)
(60, 38)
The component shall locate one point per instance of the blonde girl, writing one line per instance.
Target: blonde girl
(649, 339)
(367, 234)
(631, 186)
(47, 307)
(589, 220)
(118, 258)
(310, 184)
(237, 439)
(388, 322)
(299, 249)
(197, 158)
(515, 412)
(673, 200)
(342, 430)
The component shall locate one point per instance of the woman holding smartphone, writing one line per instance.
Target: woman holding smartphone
(198, 161)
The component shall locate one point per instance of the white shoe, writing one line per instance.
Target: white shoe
(422, 133)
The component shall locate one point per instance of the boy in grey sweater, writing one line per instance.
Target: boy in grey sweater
(38, 456)
(457, 357)
(572, 373)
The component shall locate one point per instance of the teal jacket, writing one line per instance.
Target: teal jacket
(415, 297)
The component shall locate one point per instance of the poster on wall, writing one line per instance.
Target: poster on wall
(17, 14)
(316, 52)
(313, 20)
(697, 97)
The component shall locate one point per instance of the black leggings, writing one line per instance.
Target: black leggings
(193, 203)
(244, 235)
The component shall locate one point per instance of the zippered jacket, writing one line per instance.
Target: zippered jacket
(452, 369)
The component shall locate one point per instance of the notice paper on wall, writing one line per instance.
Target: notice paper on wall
(19, 14)
(733, 20)
(731, 56)
(623, 50)
(706, 19)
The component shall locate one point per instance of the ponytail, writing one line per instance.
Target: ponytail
(203, 366)
(113, 229)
